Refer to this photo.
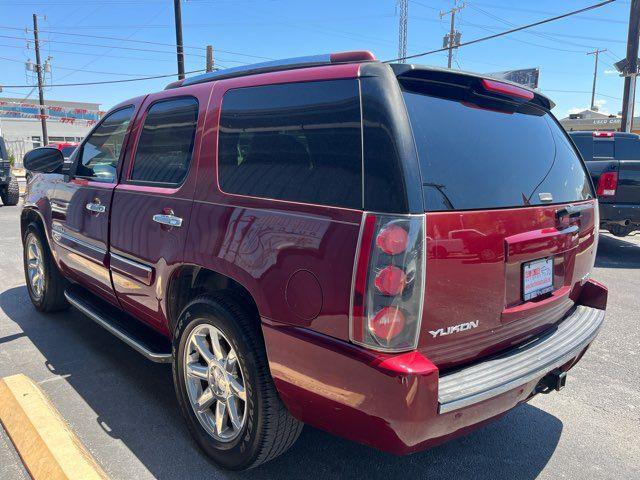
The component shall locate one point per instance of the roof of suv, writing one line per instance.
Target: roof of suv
(400, 69)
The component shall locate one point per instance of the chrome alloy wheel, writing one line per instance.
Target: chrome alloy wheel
(215, 383)
(35, 266)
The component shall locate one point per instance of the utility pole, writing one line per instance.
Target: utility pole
(596, 52)
(209, 64)
(452, 39)
(179, 47)
(631, 70)
(39, 71)
(402, 30)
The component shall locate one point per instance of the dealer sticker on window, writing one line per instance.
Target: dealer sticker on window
(537, 278)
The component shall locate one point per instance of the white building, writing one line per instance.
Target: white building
(20, 123)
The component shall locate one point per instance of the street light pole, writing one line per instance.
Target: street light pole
(179, 47)
(452, 39)
(39, 70)
(596, 52)
(632, 66)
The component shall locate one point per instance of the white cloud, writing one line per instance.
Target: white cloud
(610, 72)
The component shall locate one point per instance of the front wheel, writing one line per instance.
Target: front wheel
(224, 386)
(45, 284)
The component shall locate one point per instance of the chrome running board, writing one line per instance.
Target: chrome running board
(143, 339)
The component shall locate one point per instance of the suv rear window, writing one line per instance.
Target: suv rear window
(296, 141)
(479, 157)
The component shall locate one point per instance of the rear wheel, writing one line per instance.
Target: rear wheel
(620, 230)
(45, 283)
(11, 193)
(224, 386)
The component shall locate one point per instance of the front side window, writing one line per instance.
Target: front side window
(166, 143)
(298, 142)
(101, 151)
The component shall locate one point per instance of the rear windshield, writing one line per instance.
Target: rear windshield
(475, 156)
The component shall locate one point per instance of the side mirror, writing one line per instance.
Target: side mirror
(44, 160)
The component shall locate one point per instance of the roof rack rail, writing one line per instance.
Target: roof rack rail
(277, 65)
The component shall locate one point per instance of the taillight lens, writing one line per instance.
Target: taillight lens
(391, 280)
(388, 283)
(608, 184)
(392, 239)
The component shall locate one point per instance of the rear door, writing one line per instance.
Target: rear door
(81, 206)
(152, 204)
(510, 219)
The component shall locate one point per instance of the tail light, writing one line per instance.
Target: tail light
(388, 282)
(608, 184)
(603, 134)
(507, 89)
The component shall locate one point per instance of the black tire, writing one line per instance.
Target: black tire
(11, 193)
(620, 230)
(269, 429)
(52, 298)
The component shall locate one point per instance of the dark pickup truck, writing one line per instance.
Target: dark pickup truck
(613, 160)
(9, 189)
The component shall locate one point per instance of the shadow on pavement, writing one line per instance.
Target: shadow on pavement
(616, 252)
(134, 402)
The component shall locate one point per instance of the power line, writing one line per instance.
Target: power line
(506, 32)
(100, 46)
(548, 36)
(107, 81)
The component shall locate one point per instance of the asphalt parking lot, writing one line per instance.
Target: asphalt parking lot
(122, 407)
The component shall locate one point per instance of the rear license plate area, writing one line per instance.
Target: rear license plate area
(537, 278)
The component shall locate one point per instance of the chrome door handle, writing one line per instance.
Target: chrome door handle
(95, 207)
(169, 220)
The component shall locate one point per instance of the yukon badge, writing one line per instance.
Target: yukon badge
(441, 332)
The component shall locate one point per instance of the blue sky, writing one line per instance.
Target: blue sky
(243, 30)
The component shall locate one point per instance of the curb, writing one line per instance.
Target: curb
(46, 444)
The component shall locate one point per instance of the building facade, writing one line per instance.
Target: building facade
(591, 120)
(20, 123)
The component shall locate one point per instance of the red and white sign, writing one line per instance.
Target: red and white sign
(537, 278)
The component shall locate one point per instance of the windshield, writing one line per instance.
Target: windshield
(67, 151)
(475, 156)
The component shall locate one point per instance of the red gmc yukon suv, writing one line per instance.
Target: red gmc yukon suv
(393, 253)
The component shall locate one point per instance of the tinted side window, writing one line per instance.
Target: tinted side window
(166, 142)
(101, 151)
(298, 142)
(603, 149)
(627, 149)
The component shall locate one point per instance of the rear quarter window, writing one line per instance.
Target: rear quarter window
(475, 157)
(299, 142)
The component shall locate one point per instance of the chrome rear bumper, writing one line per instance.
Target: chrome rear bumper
(521, 365)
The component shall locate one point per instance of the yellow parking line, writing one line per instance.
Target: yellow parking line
(46, 444)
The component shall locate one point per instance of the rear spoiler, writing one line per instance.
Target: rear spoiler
(463, 79)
